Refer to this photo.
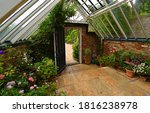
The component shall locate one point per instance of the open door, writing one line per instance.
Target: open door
(59, 49)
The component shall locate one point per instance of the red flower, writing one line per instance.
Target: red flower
(1, 76)
(31, 79)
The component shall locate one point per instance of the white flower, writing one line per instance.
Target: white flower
(32, 87)
(35, 85)
(19, 83)
(21, 91)
(9, 87)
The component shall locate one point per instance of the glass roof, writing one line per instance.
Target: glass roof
(110, 19)
(21, 22)
(91, 6)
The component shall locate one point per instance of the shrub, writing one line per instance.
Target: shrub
(76, 50)
(45, 69)
(107, 60)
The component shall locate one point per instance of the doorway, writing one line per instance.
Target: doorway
(72, 46)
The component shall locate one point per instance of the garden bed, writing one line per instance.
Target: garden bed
(21, 75)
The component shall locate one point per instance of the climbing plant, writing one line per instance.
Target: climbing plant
(42, 39)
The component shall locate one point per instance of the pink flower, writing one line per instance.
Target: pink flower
(31, 79)
(2, 76)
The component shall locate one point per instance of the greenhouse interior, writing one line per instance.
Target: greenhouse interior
(74, 47)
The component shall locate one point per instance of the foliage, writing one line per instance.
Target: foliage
(143, 6)
(9, 92)
(129, 67)
(76, 50)
(147, 61)
(72, 37)
(87, 51)
(42, 41)
(128, 54)
(46, 68)
(28, 78)
(107, 60)
(128, 12)
(41, 91)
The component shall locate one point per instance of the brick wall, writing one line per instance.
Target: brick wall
(137, 47)
(90, 40)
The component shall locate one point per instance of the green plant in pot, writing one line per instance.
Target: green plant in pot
(127, 55)
(129, 71)
(87, 53)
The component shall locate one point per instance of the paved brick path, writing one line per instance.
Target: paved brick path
(92, 80)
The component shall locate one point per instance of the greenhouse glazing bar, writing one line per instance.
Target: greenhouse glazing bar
(127, 22)
(131, 2)
(18, 13)
(12, 32)
(111, 26)
(35, 20)
(105, 27)
(119, 26)
(118, 5)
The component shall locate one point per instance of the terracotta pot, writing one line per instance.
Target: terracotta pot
(87, 60)
(127, 59)
(130, 73)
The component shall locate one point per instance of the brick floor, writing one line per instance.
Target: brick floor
(92, 80)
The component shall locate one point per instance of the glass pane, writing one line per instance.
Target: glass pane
(20, 19)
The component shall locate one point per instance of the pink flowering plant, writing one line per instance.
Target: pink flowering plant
(19, 76)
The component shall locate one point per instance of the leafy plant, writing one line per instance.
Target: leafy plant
(72, 37)
(87, 51)
(9, 92)
(107, 60)
(128, 54)
(43, 39)
(46, 69)
(129, 67)
(76, 50)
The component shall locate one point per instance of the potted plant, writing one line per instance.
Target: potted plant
(127, 56)
(87, 53)
(129, 71)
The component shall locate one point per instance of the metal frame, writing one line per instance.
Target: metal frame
(111, 25)
(8, 35)
(35, 20)
(18, 13)
(92, 5)
(108, 9)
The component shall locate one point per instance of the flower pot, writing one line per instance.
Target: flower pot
(87, 60)
(127, 59)
(130, 73)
